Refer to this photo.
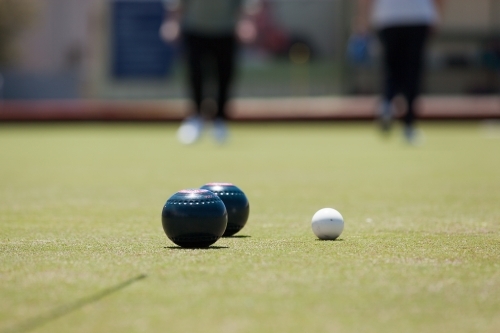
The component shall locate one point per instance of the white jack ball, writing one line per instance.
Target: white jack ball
(327, 223)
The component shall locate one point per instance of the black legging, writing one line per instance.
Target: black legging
(208, 55)
(404, 48)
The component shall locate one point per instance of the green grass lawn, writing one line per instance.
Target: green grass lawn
(80, 212)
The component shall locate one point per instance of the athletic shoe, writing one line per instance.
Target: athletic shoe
(412, 135)
(190, 130)
(386, 116)
(220, 130)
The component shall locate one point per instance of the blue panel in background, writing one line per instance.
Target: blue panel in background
(138, 51)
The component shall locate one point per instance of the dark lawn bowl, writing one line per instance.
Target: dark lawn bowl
(194, 218)
(236, 202)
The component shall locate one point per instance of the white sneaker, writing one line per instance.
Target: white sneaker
(220, 130)
(190, 130)
(413, 136)
(385, 116)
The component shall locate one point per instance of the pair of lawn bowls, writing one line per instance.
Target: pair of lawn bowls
(197, 218)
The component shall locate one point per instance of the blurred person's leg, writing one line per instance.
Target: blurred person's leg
(389, 38)
(393, 64)
(225, 55)
(226, 60)
(196, 52)
(416, 38)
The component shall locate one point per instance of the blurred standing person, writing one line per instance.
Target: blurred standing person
(403, 28)
(208, 32)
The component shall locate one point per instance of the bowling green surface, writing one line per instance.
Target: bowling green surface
(82, 247)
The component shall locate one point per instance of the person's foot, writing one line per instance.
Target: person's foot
(190, 130)
(220, 130)
(412, 135)
(385, 116)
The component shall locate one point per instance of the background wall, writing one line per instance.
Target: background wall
(66, 53)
